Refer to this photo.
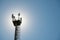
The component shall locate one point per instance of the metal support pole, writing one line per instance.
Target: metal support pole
(15, 38)
(17, 33)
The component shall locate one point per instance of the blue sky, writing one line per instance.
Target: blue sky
(43, 19)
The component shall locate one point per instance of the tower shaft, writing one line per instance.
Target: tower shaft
(17, 33)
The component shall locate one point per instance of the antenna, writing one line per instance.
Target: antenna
(16, 23)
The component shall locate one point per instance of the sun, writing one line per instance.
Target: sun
(25, 19)
(9, 24)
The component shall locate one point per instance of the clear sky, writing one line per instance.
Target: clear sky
(43, 18)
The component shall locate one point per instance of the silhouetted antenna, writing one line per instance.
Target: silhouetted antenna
(17, 23)
(13, 16)
(18, 14)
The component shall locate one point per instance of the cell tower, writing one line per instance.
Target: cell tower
(17, 23)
